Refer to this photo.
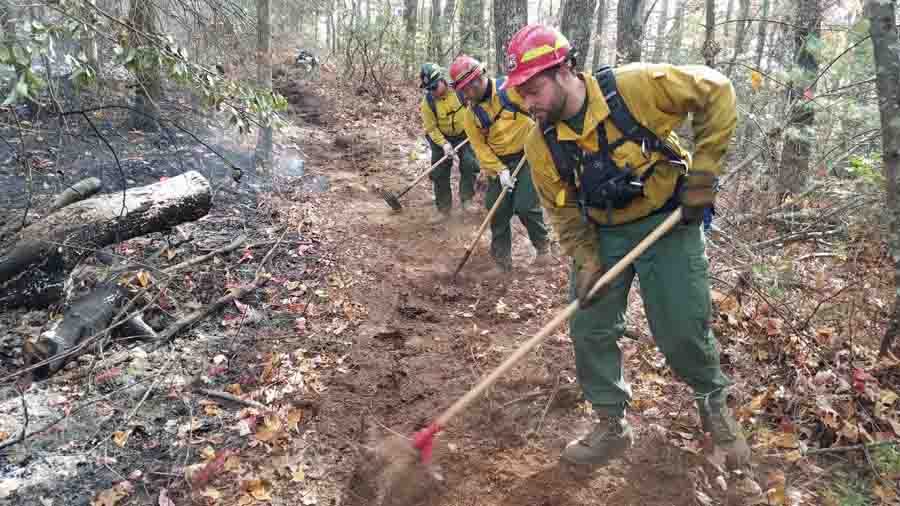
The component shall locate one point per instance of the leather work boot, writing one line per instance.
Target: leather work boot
(542, 258)
(726, 433)
(502, 265)
(609, 439)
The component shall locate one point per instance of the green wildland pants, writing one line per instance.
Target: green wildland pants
(522, 202)
(674, 282)
(440, 177)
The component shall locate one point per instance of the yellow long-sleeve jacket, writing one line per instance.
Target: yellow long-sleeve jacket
(659, 96)
(449, 120)
(506, 136)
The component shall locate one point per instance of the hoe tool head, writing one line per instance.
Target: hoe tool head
(391, 200)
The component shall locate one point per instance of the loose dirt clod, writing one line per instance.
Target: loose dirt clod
(392, 474)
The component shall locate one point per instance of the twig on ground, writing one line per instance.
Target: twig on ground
(549, 403)
(793, 237)
(532, 395)
(259, 281)
(842, 449)
(198, 315)
(202, 258)
(233, 398)
(816, 255)
(21, 435)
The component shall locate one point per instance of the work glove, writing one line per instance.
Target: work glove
(697, 193)
(507, 180)
(585, 279)
(448, 150)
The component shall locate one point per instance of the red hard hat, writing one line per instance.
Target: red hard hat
(532, 49)
(463, 70)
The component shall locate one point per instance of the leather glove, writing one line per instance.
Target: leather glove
(507, 180)
(448, 150)
(697, 193)
(585, 279)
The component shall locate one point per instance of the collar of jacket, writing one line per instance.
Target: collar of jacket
(597, 111)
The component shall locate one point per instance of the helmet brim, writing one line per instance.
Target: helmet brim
(519, 78)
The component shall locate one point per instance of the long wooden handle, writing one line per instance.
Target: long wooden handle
(487, 220)
(561, 318)
(430, 170)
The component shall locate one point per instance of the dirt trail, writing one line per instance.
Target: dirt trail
(428, 340)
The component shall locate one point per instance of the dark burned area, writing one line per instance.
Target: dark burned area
(289, 394)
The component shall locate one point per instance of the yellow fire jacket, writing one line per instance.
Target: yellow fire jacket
(659, 96)
(507, 134)
(449, 120)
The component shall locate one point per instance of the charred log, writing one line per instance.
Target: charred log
(34, 271)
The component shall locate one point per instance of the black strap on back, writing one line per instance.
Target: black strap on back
(624, 120)
(505, 103)
(567, 155)
(429, 98)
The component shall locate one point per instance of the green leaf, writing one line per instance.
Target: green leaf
(5, 55)
(22, 87)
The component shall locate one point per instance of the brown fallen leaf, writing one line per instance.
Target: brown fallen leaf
(786, 440)
(294, 417)
(120, 438)
(270, 430)
(211, 493)
(112, 496)
(259, 489)
(4, 435)
(208, 453)
(232, 463)
(234, 389)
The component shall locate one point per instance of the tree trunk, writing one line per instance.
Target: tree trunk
(883, 28)
(629, 30)
(263, 159)
(576, 25)
(32, 273)
(677, 32)
(710, 46)
(761, 35)
(599, 33)
(434, 34)
(661, 30)
(728, 10)
(409, 47)
(143, 16)
(741, 34)
(472, 30)
(449, 17)
(800, 133)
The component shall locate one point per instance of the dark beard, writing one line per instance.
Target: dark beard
(554, 116)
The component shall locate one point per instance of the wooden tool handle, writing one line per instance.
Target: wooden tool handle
(561, 318)
(486, 221)
(430, 170)
(495, 207)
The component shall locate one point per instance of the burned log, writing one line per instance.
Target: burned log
(32, 274)
(86, 317)
(79, 191)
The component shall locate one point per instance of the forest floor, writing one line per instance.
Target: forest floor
(361, 334)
